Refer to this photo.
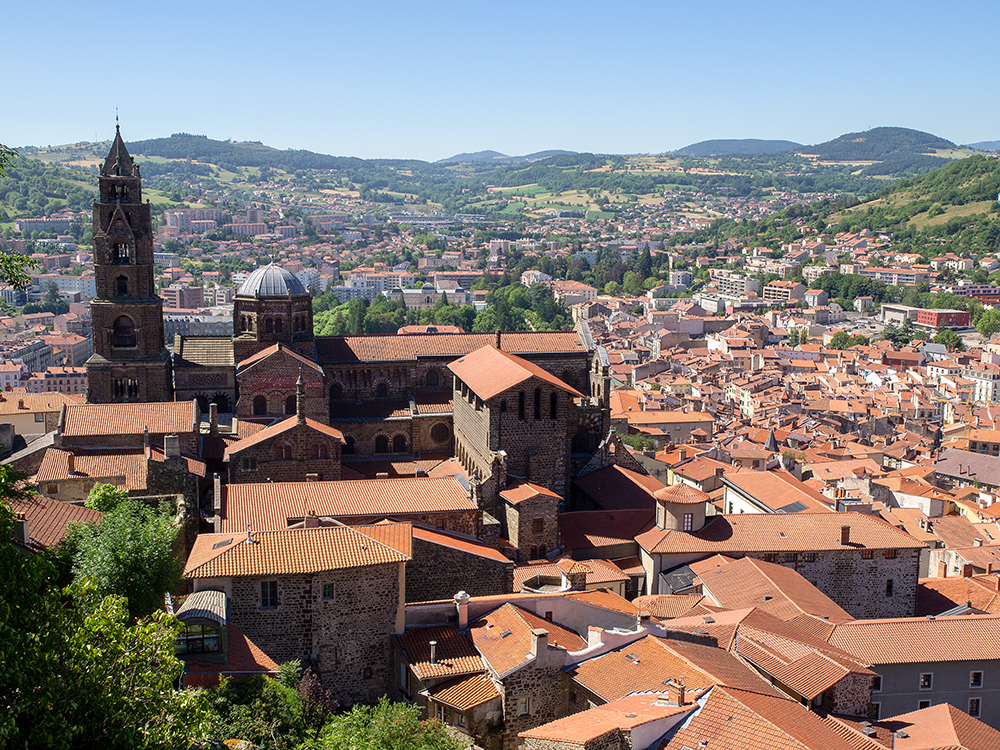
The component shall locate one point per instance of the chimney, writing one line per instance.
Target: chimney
(434, 652)
(70, 463)
(312, 477)
(977, 542)
(462, 604)
(213, 418)
(675, 692)
(145, 440)
(250, 538)
(967, 570)
(20, 403)
(498, 338)
(171, 446)
(594, 636)
(539, 641)
(845, 535)
(311, 520)
(21, 533)
(683, 454)
(300, 400)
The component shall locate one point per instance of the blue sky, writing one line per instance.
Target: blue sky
(428, 80)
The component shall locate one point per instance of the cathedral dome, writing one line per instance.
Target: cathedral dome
(271, 281)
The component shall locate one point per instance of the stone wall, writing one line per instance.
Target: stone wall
(523, 520)
(439, 572)
(274, 379)
(264, 461)
(542, 683)
(852, 695)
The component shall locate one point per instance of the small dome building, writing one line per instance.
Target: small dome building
(272, 306)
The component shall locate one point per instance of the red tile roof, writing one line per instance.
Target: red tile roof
(97, 465)
(455, 653)
(503, 637)
(465, 693)
(274, 349)
(27, 403)
(280, 428)
(287, 552)
(381, 348)
(243, 657)
(167, 418)
(269, 505)
(489, 372)
(623, 714)
(601, 528)
(47, 518)
(942, 726)
(469, 546)
(519, 490)
(617, 488)
(920, 639)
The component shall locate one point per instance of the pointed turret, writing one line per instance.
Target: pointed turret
(119, 162)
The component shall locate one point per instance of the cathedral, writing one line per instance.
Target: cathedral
(388, 399)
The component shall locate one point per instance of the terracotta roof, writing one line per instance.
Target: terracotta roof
(777, 490)
(286, 552)
(646, 664)
(942, 726)
(269, 505)
(194, 465)
(617, 488)
(275, 349)
(519, 490)
(503, 637)
(920, 639)
(604, 599)
(597, 571)
(778, 532)
(29, 403)
(47, 518)
(734, 719)
(455, 654)
(166, 418)
(469, 546)
(280, 428)
(489, 372)
(464, 693)
(590, 529)
(623, 714)
(380, 348)
(667, 606)
(96, 465)
(937, 595)
(681, 494)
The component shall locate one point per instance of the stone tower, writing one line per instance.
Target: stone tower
(130, 361)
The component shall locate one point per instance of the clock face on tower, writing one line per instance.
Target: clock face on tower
(130, 361)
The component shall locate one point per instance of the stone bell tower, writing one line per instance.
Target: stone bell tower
(130, 361)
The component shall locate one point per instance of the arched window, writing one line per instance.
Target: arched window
(336, 391)
(553, 405)
(283, 453)
(382, 390)
(399, 444)
(348, 445)
(520, 405)
(503, 405)
(268, 325)
(319, 451)
(538, 403)
(122, 283)
(123, 332)
(381, 444)
(290, 405)
(260, 406)
(433, 379)
(277, 325)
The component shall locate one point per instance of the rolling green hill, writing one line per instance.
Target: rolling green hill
(729, 146)
(877, 144)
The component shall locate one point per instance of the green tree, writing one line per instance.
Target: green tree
(839, 340)
(949, 338)
(385, 726)
(13, 266)
(130, 554)
(259, 710)
(105, 497)
(989, 323)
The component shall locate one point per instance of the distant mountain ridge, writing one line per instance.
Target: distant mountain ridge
(496, 156)
(986, 145)
(737, 147)
(877, 144)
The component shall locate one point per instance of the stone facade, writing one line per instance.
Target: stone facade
(437, 572)
(130, 361)
(532, 525)
(268, 386)
(542, 683)
(297, 453)
(852, 695)
(349, 633)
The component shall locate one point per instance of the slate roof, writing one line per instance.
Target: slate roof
(204, 351)
(489, 371)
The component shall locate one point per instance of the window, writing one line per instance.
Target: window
(923, 704)
(381, 444)
(268, 594)
(249, 464)
(926, 680)
(975, 679)
(867, 554)
(553, 405)
(974, 706)
(888, 587)
(336, 391)
(771, 557)
(40, 417)
(688, 521)
(268, 325)
(278, 325)
(404, 678)
(808, 557)
(319, 451)
(520, 406)
(503, 406)
(440, 712)
(877, 684)
(433, 379)
(460, 719)
(123, 332)
(290, 405)
(524, 706)
(876, 711)
(382, 390)
(197, 639)
(890, 554)
(349, 445)
(328, 591)
(538, 404)
(122, 283)
(538, 525)
(283, 453)
(399, 444)
(260, 406)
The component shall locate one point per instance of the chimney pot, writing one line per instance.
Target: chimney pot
(312, 477)
(462, 604)
(845, 535)
(434, 652)
(70, 464)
